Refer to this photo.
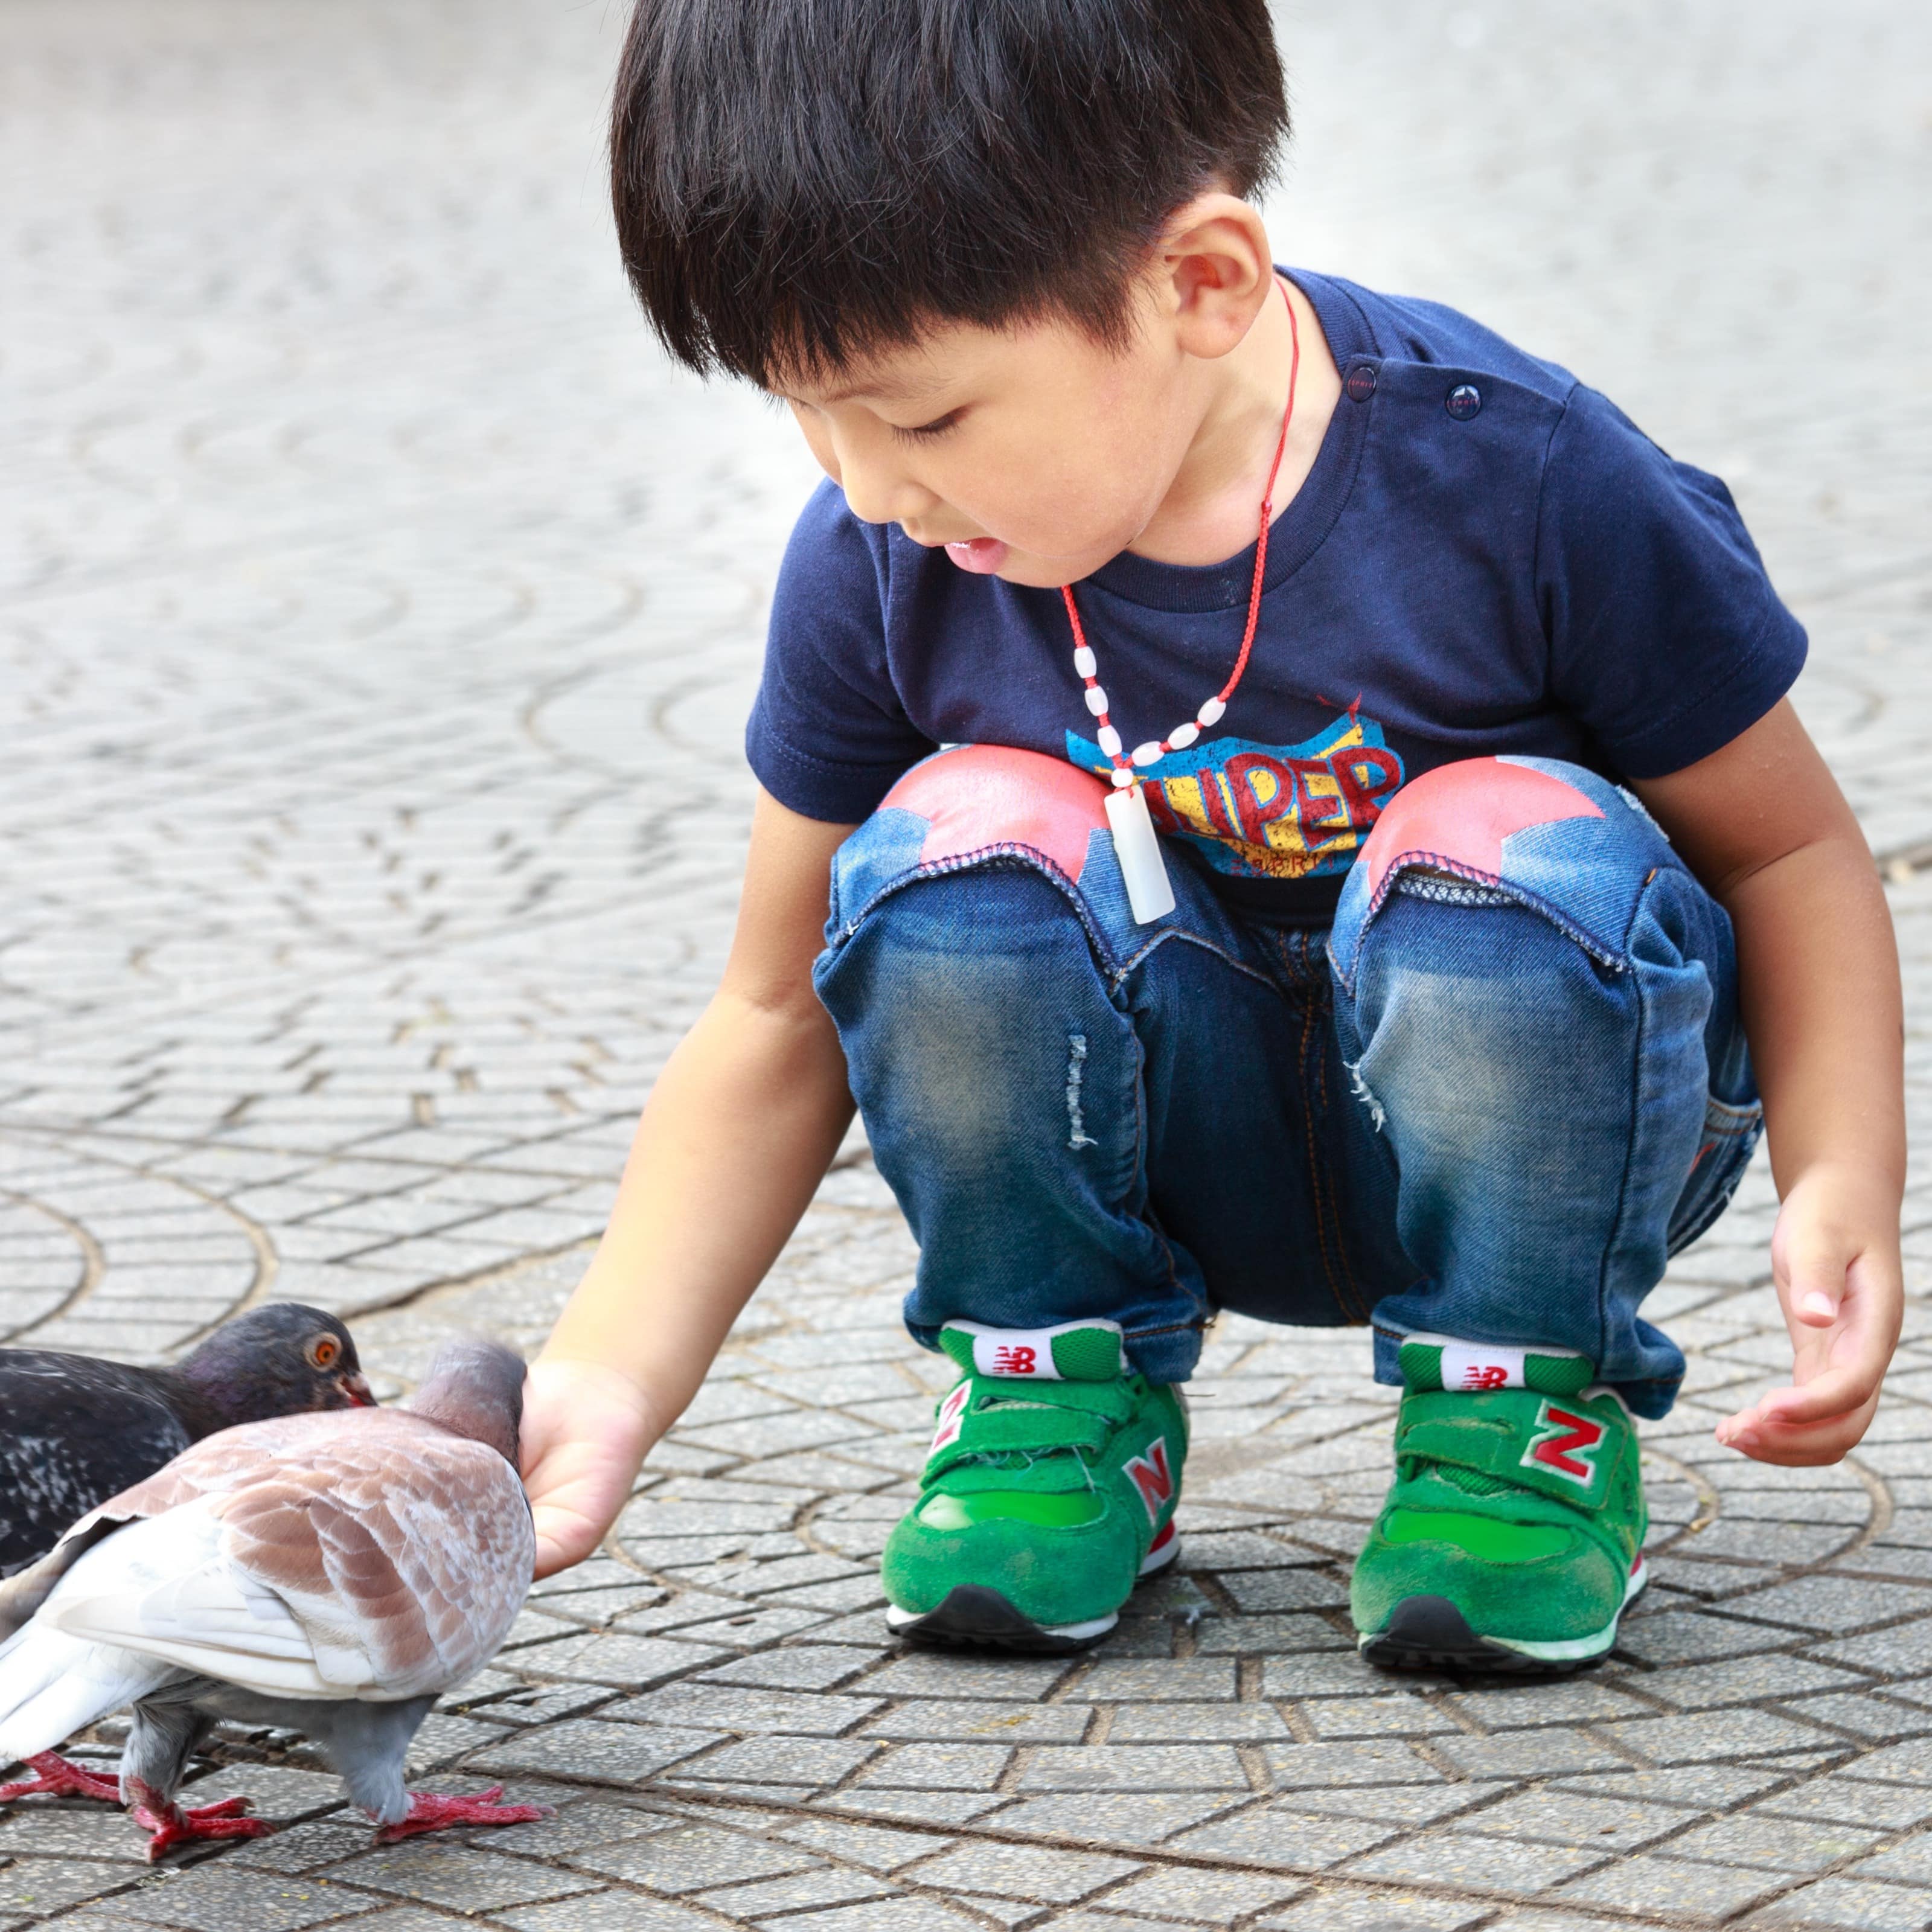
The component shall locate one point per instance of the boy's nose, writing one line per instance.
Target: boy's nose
(876, 486)
(877, 495)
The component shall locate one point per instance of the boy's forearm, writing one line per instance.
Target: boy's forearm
(738, 1131)
(1818, 971)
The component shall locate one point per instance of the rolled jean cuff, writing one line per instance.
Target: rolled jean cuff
(1650, 1397)
(1163, 1355)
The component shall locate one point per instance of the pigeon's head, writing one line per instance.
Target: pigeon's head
(475, 1388)
(281, 1360)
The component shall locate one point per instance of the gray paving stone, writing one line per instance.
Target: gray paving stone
(766, 1898)
(1397, 1716)
(800, 1764)
(217, 1898)
(586, 1747)
(1907, 1863)
(813, 1667)
(694, 1858)
(939, 1718)
(1142, 1681)
(457, 1875)
(1529, 1753)
(1847, 1905)
(886, 1915)
(1712, 1734)
(864, 1845)
(1873, 1720)
(1021, 1871)
(1743, 1680)
(1171, 1724)
(1907, 1763)
(1267, 1636)
(919, 1674)
(1841, 1800)
(939, 1767)
(1775, 1844)
(1389, 1910)
(609, 1912)
(1203, 1897)
(1687, 1892)
(714, 1707)
(1833, 1603)
(1279, 1834)
(1119, 1818)
(1203, 1767)
(1452, 1857)
(1297, 1768)
(1567, 1817)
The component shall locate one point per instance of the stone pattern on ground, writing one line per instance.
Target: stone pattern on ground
(380, 616)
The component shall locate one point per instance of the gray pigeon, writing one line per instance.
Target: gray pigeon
(332, 1574)
(75, 1430)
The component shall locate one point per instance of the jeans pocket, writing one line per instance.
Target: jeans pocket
(1730, 1139)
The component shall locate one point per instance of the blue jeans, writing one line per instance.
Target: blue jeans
(1488, 1104)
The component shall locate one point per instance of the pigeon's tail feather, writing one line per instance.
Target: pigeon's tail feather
(52, 1684)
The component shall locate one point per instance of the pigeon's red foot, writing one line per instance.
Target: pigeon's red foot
(430, 1812)
(170, 1825)
(55, 1777)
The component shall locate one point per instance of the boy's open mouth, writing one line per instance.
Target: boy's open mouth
(982, 556)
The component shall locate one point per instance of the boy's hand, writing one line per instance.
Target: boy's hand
(586, 1430)
(1835, 1257)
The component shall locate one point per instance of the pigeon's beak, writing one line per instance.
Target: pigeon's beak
(357, 1390)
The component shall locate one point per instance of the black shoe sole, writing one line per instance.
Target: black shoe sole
(1430, 1633)
(973, 1618)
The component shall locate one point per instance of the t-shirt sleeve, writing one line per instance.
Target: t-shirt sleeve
(1666, 639)
(828, 735)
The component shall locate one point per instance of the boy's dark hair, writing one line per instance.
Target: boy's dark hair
(798, 182)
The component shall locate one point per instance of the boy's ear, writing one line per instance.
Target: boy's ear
(1212, 271)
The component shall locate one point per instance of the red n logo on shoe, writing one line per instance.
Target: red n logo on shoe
(950, 1411)
(1149, 1474)
(1565, 1443)
(1016, 1359)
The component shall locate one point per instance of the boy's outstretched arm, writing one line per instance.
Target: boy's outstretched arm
(738, 1131)
(1763, 824)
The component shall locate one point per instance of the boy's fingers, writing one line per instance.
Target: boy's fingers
(1816, 1307)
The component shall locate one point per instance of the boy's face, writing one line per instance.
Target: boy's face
(1033, 453)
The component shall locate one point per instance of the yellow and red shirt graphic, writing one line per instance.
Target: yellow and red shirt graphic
(1270, 811)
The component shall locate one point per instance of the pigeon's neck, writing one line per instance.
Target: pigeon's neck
(201, 1403)
(452, 1404)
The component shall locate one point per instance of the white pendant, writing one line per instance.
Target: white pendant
(1137, 846)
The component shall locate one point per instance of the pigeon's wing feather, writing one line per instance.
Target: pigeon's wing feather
(418, 1556)
(76, 1431)
(164, 1586)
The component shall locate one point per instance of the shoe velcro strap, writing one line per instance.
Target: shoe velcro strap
(1559, 1446)
(993, 1422)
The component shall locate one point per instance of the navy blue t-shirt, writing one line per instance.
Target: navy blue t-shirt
(1537, 577)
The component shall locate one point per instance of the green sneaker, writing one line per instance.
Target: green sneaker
(1049, 1492)
(1513, 1535)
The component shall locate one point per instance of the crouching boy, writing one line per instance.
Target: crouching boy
(1272, 799)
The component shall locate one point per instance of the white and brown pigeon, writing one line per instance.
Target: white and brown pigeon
(75, 1430)
(332, 1574)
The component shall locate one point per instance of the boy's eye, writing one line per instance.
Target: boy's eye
(924, 432)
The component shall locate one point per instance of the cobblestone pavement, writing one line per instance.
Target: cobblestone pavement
(379, 615)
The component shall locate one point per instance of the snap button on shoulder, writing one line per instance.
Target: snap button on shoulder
(1360, 383)
(1463, 401)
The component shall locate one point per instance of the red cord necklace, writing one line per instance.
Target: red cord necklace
(1135, 842)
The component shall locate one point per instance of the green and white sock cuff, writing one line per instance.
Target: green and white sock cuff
(1441, 1362)
(1074, 1351)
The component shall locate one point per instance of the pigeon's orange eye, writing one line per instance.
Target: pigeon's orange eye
(324, 1351)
